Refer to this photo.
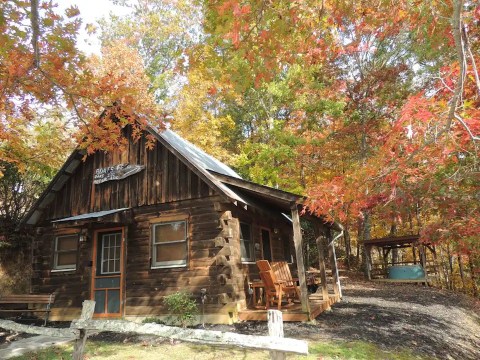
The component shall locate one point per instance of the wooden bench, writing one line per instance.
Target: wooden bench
(26, 300)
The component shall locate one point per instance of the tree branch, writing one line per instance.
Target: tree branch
(35, 32)
(457, 35)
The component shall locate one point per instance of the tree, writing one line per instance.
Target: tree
(41, 69)
(161, 32)
(401, 148)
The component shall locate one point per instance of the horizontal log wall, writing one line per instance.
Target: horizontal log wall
(209, 240)
(71, 287)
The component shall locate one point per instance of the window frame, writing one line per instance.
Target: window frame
(56, 252)
(250, 260)
(172, 263)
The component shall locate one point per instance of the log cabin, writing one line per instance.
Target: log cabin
(127, 227)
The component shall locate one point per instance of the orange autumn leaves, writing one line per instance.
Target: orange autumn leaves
(65, 83)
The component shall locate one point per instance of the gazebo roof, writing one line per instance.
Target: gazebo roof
(392, 241)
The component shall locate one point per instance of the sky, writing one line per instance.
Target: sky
(90, 12)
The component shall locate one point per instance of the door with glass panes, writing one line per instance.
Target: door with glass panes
(107, 277)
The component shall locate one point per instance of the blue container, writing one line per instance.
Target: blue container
(406, 272)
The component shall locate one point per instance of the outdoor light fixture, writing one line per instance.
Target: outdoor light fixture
(83, 237)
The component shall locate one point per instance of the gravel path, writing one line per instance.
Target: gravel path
(432, 322)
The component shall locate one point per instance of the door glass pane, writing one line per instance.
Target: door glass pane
(111, 248)
(100, 301)
(113, 305)
(107, 282)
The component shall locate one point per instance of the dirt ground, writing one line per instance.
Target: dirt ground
(432, 322)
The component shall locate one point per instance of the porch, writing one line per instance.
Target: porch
(294, 311)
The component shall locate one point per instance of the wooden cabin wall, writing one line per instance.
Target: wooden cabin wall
(71, 287)
(165, 179)
(211, 260)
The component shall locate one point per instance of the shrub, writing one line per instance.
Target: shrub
(182, 308)
(153, 320)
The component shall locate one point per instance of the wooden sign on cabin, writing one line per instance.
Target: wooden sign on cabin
(116, 172)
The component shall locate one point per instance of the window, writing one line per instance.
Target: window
(169, 244)
(246, 243)
(65, 252)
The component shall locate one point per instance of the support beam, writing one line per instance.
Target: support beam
(297, 239)
(319, 234)
(333, 263)
(368, 264)
(321, 265)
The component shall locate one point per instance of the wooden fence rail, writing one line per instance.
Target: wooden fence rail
(275, 343)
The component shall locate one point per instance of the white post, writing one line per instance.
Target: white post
(275, 329)
(87, 313)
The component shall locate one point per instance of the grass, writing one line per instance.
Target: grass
(337, 350)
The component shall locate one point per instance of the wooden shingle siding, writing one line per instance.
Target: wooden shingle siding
(165, 179)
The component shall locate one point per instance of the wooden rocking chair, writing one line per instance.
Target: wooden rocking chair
(282, 272)
(275, 289)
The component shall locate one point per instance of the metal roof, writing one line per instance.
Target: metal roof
(196, 155)
(218, 175)
(97, 214)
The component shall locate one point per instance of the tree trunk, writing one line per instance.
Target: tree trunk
(366, 258)
(444, 268)
(450, 266)
(348, 248)
(462, 273)
(393, 231)
(473, 276)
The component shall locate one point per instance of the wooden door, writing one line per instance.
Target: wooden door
(266, 245)
(108, 273)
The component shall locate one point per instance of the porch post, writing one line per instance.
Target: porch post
(321, 264)
(333, 263)
(297, 239)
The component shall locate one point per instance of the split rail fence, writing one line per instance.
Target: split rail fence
(275, 343)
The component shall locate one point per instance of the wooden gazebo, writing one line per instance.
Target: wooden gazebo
(418, 253)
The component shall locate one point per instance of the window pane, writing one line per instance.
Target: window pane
(171, 252)
(67, 242)
(245, 249)
(245, 232)
(246, 243)
(69, 258)
(174, 231)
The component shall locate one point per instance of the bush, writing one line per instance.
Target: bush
(153, 320)
(182, 308)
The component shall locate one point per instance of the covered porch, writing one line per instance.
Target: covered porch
(293, 312)
(270, 202)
